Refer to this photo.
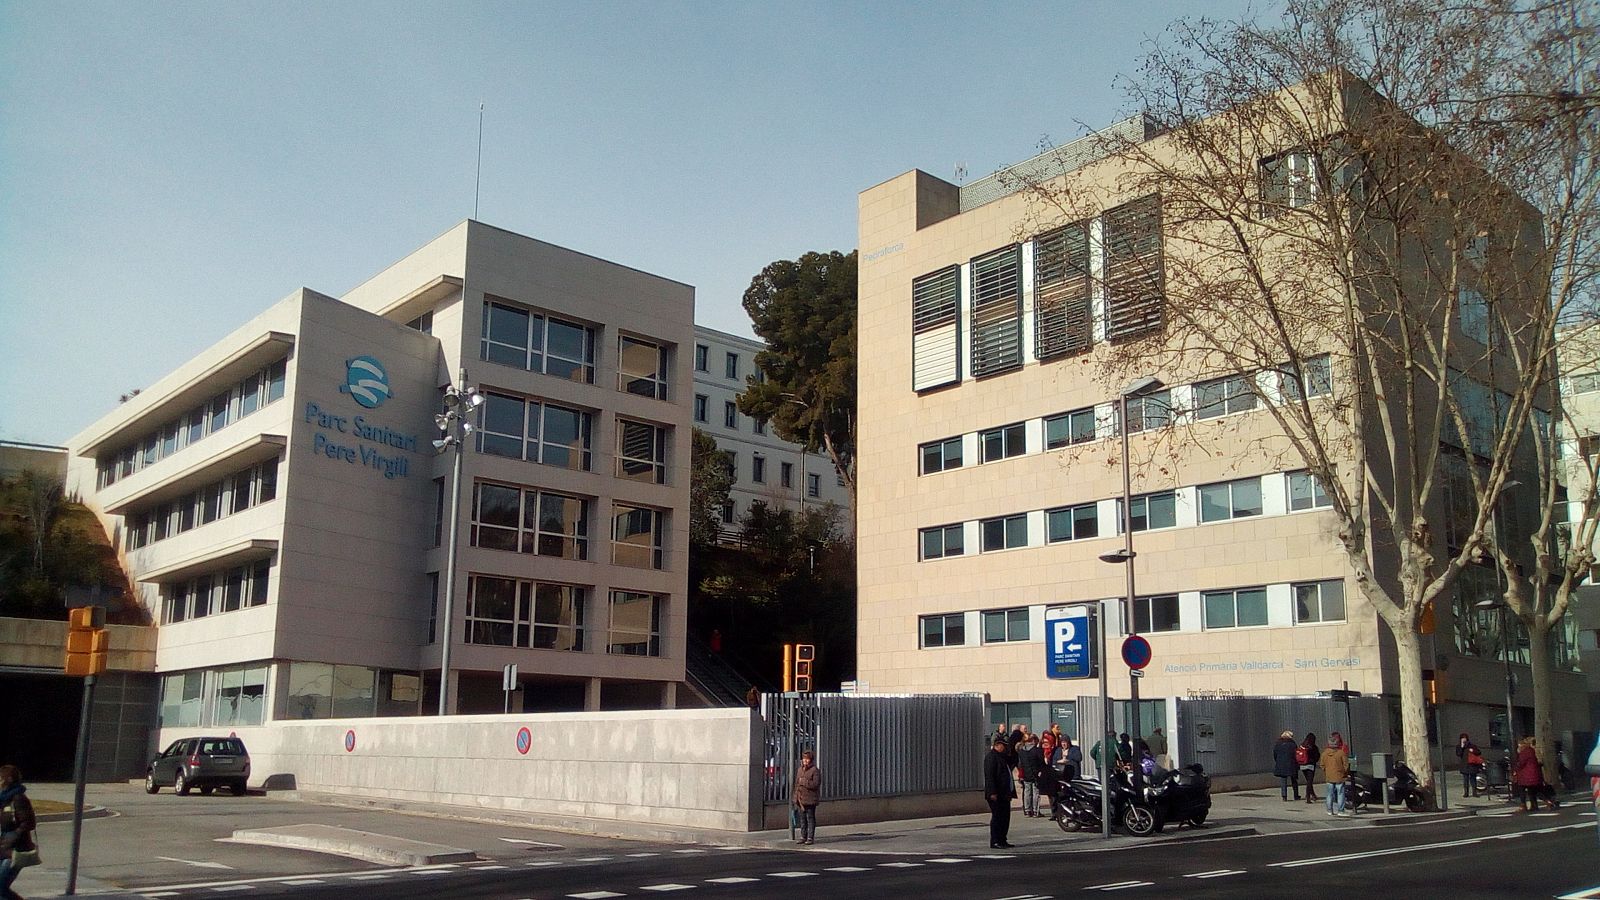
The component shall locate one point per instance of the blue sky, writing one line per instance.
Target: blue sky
(168, 170)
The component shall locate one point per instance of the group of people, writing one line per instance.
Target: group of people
(1527, 773)
(17, 823)
(1298, 761)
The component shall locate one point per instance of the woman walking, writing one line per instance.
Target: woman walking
(17, 849)
(807, 794)
(1284, 765)
(1529, 777)
(1307, 756)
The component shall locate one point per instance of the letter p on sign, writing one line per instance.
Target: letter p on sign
(1062, 633)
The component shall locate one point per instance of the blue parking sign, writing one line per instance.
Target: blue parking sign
(1069, 643)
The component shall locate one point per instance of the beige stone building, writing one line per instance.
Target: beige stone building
(990, 475)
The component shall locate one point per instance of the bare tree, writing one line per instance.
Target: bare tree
(1344, 229)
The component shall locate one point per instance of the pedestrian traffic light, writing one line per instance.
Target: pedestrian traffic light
(87, 641)
(1434, 685)
(804, 655)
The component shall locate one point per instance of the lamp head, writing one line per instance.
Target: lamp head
(1489, 604)
(1142, 385)
(1118, 556)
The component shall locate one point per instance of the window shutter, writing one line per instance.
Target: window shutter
(935, 329)
(1063, 318)
(997, 311)
(1134, 275)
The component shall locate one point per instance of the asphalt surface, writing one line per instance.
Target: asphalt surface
(1498, 856)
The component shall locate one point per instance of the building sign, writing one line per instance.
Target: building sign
(1068, 644)
(366, 381)
(1248, 665)
(355, 439)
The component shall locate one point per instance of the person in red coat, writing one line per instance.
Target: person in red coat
(1528, 776)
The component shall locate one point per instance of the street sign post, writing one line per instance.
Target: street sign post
(1136, 653)
(1069, 643)
(508, 682)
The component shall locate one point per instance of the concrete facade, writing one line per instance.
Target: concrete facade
(17, 457)
(766, 468)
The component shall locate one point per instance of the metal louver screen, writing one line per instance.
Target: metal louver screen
(997, 311)
(1134, 275)
(1063, 317)
(935, 341)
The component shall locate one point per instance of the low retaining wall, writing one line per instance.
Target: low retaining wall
(883, 809)
(689, 768)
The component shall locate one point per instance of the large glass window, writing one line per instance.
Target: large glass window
(1151, 511)
(229, 590)
(942, 541)
(1152, 614)
(1288, 181)
(1005, 533)
(1230, 500)
(642, 368)
(938, 456)
(1005, 625)
(514, 336)
(506, 517)
(234, 493)
(1220, 396)
(944, 631)
(635, 624)
(1317, 376)
(1073, 523)
(1305, 492)
(1235, 609)
(1319, 601)
(523, 428)
(1003, 443)
(641, 452)
(1148, 412)
(557, 617)
(636, 537)
(1075, 427)
(241, 696)
(182, 699)
(492, 611)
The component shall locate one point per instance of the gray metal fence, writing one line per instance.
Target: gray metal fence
(875, 745)
(1235, 736)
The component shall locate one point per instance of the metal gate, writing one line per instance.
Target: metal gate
(1235, 736)
(875, 745)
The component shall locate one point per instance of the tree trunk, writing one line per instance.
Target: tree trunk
(1543, 666)
(1413, 710)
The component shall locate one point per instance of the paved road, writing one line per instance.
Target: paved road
(1544, 855)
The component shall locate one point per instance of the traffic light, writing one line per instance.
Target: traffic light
(87, 641)
(804, 656)
(1431, 679)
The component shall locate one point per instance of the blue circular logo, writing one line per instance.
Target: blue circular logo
(366, 381)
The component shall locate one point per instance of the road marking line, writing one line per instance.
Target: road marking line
(1123, 887)
(429, 872)
(1587, 894)
(642, 855)
(201, 864)
(898, 865)
(1222, 874)
(949, 859)
(1208, 874)
(790, 874)
(304, 882)
(228, 888)
(732, 879)
(1113, 885)
(486, 868)
(667, 887)
(530, 843)
(163, 894)
(368, 877)
(592, 858)
(1025, 897)
(1292, 864)
(847, 869)
(541, 863)
(596, 895)
(688, 851)
(995, 856)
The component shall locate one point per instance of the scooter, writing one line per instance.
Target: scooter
(1361, 790)
(1170, 797)
(1180, 795)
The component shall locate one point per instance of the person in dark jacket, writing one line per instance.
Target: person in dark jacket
(1528, 776)
(1030, 761)
(998, 791)
(1308, 769)
(17, 823)
(1284, 765)
(807, 794)
(1471, 759)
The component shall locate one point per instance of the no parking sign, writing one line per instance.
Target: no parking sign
(524, 740)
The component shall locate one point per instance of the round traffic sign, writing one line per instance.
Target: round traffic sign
(524, 740)
(1135, 651)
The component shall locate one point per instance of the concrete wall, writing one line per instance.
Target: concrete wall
(689, 768)
(42, 644)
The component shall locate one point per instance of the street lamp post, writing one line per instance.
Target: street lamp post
(1136, 388)
(460, 400)
(1511, 680)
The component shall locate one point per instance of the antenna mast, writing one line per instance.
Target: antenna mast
(477, 180)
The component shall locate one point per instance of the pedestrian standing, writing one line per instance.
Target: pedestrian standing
(1073, 755)
(1529, 776)
(1030, 760)
(1049, 745)
(1284, 765)
(17, 824)
(1307, 756)
(807, 794)
(998, 792)
(1471, 765)
(1335, 769)
(716, 640)
(1158, 747)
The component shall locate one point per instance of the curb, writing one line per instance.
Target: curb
(1420, 818)
(89, 812)
(363, 845)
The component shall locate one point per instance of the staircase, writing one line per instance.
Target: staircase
(711, 676)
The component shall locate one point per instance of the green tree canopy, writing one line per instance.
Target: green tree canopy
(805, 309)
(710, 478)
(49, 542)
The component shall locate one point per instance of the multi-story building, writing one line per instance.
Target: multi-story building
(281, 505)
(766, 468)
(1580, 439)
(990, 480)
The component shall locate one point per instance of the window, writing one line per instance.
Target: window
(522, 428)
(635, 624)
(1072, 523)
(642, 368)
(944, 631)
(728, 510)
(758, 469)
(1149, 411)
(702, 355)
(506, 612)
(240, 587)
(1472, 311)
(939, 456)
(517, 337)
(422, 323)
(1317, 378)
(813, 485)
(505, 517)
(1150, 511)
(730, 366)
(241, 696)
(641, 452)
(730, 414)
(235, 493)
(1002, 626)
(1075, 427)
(1152, 614)
(1319, 601)
(997, 311)
(1005, 532)
(786, 474)
(936, 329)
(1002, 443)
(1288, 181)
(182, 701)
(942, 540)
(1305, 492)
(1220, 396)
(1235, 609)
(730, 460)
(1230, 500)
(700, 404)
(557, 617)
(1134, 275)
(758, 426)
(438, 511)
(1063, 320)
(636, 537)
(492, 611)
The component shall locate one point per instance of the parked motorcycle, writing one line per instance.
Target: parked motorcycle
(1182, 795)
(1403, 788)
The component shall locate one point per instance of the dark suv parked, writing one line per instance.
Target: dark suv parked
(200, 762)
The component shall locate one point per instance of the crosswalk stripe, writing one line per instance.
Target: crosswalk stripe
(732, 879)
(669, 886)
(847, 869)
